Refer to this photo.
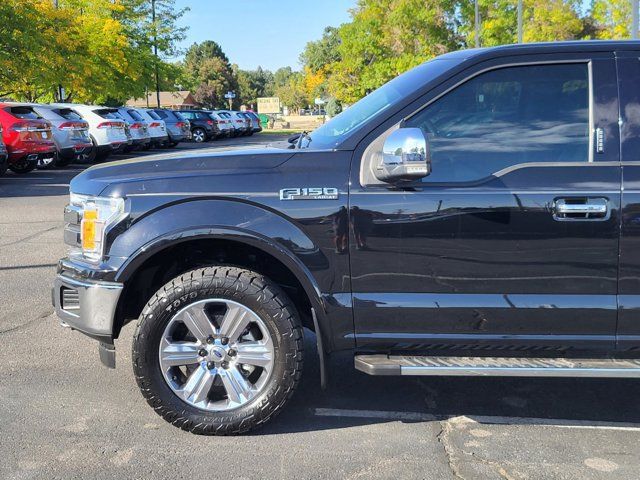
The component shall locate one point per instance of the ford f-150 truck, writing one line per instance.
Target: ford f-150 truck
(477, 215)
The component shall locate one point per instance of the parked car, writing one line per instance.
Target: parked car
(27, 137)
(106, 129)
(255, 121)
(70, 133)
(224, 124)
(138, 127)
(232, 126)
(178, 128)
(203, 128)
(240, 123)
(248, 123)
(476, 216)
(4, 155)
(157, 127)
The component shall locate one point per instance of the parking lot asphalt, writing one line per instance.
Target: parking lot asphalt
(63, 415)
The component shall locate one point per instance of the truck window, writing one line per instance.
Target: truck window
(508, 117)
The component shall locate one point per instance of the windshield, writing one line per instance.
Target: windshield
(338, 128)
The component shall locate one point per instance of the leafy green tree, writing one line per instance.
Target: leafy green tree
(253, 84)
(321, 54)
(386, 38)
(293, 93)
(611, 19)
(209, 74)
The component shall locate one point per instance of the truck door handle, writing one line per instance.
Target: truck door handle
(581, 209)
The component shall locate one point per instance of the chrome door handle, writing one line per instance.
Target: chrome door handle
(581, 209)
(567, 208)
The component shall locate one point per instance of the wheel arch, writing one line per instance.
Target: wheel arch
(216, 241)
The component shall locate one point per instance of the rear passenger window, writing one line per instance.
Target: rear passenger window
(26, 113)
(508, 117)
(67, 114)
(135, 115)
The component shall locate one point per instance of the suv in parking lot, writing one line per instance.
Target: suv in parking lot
(178, 128)
(27, 137)
(203, 127)
(107, 129)
(70, 133)
(470, 217)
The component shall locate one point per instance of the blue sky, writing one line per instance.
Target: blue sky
(269, 33)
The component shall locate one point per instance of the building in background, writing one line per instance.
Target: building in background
(176, 100)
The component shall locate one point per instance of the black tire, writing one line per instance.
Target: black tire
(257, 293)
(63, 161)
(23, 166)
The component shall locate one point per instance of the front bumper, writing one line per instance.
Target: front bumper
(88, 306)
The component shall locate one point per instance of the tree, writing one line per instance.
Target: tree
(253, 84)
(386, 38)
(321, 54)
(543, 21)
(209, 74)
(611, 18)
(293, 93)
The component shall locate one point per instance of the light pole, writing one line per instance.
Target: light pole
(519, 21)
(155, 50)
(634, 19)
(477, 22)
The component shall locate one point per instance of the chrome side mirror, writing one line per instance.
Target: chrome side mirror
(405, 156)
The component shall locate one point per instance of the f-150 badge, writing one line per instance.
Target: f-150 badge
(315, 193)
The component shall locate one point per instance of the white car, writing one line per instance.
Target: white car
(157, 128)
(224, 124)
(106, 128)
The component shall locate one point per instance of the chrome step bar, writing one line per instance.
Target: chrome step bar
(496, 366)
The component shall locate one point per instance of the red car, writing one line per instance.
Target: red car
(3, 155)
(27, 137)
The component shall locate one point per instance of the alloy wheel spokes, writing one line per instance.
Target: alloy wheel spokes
(195, 318)
(238, 388)
(179, 353)
(196, 389)
(235, 322)
(258, 354)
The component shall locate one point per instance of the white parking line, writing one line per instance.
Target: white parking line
(478, 419)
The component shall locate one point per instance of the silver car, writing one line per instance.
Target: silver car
(70, 133)
(138, 127)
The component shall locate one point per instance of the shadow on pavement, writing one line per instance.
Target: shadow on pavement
(356, 399)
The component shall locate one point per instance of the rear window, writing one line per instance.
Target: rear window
(179, 116)
(252, 115)
(162, 114)
(153, 115)
(135, 115)
(203, 116)
(67, 113)
(108, 113)
(26, 113)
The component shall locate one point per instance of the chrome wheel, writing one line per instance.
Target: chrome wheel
(199, 135)
(216, 354)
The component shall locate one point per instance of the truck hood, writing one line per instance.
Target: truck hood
(175, 166)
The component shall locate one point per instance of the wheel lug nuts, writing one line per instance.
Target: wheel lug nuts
(210, 340)
(224, 340)
(202, 352)
(232, 353)
(225, 364)
(211, 365)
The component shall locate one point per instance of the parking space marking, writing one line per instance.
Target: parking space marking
(478, 419)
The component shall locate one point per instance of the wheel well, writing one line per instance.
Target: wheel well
(167, 264)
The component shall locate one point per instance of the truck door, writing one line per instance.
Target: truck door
(512, 241)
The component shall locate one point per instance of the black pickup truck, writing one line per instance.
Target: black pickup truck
(477, 215)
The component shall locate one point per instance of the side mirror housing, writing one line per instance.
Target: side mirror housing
(405, 156)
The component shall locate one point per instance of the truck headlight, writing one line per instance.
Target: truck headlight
(97, 215)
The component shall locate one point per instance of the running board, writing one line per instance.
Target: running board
(496, 366)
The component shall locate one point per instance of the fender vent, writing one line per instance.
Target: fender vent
(69, 299)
